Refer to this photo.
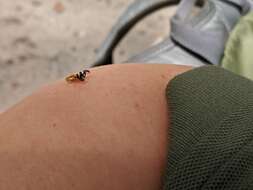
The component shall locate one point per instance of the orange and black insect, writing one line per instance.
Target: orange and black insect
(81, 76)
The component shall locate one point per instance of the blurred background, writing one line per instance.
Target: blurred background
(44, 40)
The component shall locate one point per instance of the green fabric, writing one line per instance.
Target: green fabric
(239, 51)
(211, 137)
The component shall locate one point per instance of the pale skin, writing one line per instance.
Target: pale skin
(110, 132)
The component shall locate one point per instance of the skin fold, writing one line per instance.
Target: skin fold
(109, 132)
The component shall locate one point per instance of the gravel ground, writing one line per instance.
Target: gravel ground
(44, 40)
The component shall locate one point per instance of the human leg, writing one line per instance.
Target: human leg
(109, 132)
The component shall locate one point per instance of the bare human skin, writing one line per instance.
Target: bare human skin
(109, 132)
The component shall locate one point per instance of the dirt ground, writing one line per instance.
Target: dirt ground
(44, 40)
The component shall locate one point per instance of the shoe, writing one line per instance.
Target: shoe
(194, 40)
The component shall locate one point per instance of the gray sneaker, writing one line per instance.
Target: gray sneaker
(194, 40)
